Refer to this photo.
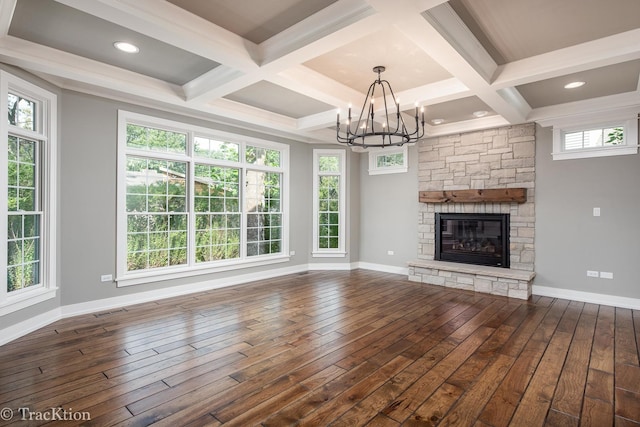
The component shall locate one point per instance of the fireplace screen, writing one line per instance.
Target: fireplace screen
(473, 239)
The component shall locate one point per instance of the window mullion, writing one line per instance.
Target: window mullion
(243, 212)
(191, 217)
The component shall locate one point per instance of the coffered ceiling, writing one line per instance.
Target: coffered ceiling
(282, 67)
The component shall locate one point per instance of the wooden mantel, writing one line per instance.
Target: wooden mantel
(493, 195)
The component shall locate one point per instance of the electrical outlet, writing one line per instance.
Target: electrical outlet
(596, 211)
(390, 252)
(606, 275)
(591, 273)
(292, 253)
(106, 278)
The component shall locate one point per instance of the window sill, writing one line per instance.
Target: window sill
(131, 279)
(618, 150)
(336, 254)
(26, 299)
(385, 171)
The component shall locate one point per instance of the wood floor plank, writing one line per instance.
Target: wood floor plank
(636, 325)
(349, 348)
(536, 400)
(626, 348)
(419, 391)
(467, 409)
(627, 405)
(560, 419)
(436, 406)
(602, 352)
(501, 406)
(350, 397)
(628, 377)
(571, 386)
(596, 413)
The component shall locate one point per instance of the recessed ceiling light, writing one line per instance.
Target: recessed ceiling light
(480, 113)
(437, 121)
(126, 47)
(573, 85)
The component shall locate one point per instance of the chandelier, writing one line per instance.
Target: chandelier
(387, 128)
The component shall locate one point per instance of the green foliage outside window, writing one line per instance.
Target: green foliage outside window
(156, 206)
(21, 112)
(388, 160)
(23, 230)
(218, 218)
(264, 213)
(159, 192)
(328, 212)
(262, 156)
(213, 149)
(615, 136)
(146, 138)
(328, 164)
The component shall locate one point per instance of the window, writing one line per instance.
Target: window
(196, 201)
(388, 160)
(329, 203)
(27, 193)
(595, 137)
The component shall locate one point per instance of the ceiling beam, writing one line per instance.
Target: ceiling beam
(547, 115)
(585, 56)
(35, 57)
(7, 7)
(177, 27)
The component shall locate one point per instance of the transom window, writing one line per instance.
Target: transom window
(595, 137)
(196, 201)
(388, 160)
(27, 193)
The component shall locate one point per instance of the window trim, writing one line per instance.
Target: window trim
(341, 250)
(191, 269)
(375, 153)
(592, 122)
(46, 132)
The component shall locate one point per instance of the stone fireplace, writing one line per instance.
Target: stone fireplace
(494, 160)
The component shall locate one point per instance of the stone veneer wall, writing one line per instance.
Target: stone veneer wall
(495, 158)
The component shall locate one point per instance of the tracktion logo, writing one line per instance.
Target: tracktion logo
(51, 414)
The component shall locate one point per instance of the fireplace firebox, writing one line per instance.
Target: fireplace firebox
(481, 239)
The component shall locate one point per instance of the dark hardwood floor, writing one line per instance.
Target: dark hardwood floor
(331, 348)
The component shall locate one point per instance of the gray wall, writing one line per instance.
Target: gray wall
(569, 239)
(389, 214)
(88, 211)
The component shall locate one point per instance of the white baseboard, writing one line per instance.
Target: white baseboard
(612, 300)
(383, 268)
(331, 266)
(142, 297)
(33, 324)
